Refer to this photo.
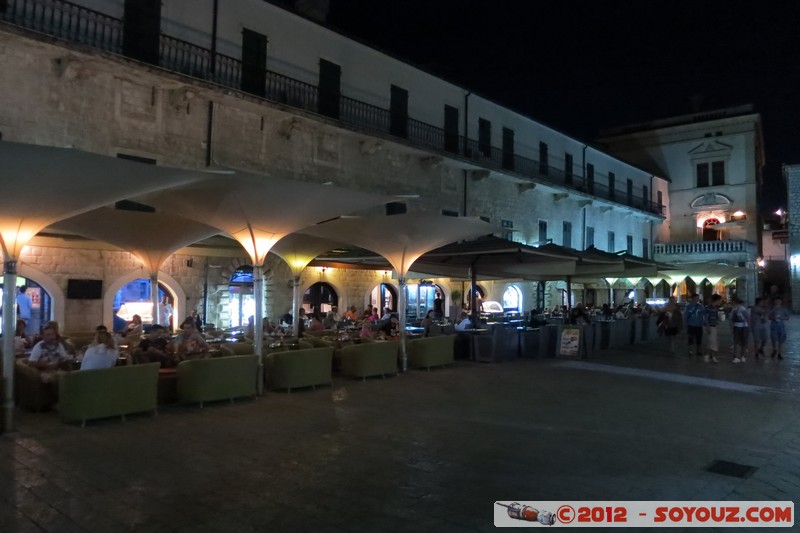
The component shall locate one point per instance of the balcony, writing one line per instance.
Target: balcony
(691, 251)
(77, 24)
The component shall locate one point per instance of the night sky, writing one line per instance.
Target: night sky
(583, 66)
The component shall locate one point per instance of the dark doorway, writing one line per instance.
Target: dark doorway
(330, 75)
(540, 290)
(451, 129)
(141, 30)
(254, 62)
(398, 112)
(320, 297)
(709, 233)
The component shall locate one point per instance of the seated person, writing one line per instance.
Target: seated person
(366, 330)
(22, 341)
(427, 322)
(329, 322)
(48, 353)
(154, 348)
(387, 315)
(394, 326)
(189, 342)
(351, 314)
(464, 323)
(134, 327)
(268, 328)
(102, 353)
(316, 323)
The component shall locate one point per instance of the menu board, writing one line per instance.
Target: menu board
(570, 341)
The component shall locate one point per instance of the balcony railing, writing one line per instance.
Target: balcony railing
(705, 247)
(75, 23)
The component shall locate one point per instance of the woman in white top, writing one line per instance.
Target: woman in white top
(101, 353)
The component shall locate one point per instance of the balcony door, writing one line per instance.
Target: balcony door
(709, 233)
(254, 62)
(330, 75)
(141, 30)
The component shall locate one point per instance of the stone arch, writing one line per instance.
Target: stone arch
(58, 300)
(172, 285)
(377, 284)
(340, 291)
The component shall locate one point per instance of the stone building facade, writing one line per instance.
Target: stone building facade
(455, 153)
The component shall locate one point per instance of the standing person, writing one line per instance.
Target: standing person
(25, 307)
(759, 327)
(777, 316)
(741, 326)
(674, 322)
(438, 306)
(165, 313)
(713, 318)
(696, 317)
(198, 323)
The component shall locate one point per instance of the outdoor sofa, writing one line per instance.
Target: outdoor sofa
(219, 378)
(430, 351)
(118, 391)
(292, 369)
(369, 359)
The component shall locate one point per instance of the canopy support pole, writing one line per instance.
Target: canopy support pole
(258, 326)
(154, 298)
(9, 327)
(295, 302)
(569, 292)
(401, 309)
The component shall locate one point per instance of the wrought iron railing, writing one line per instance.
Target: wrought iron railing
(75, 23)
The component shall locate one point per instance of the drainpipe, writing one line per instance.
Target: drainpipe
(209, 133)
(584, 227)
(466, 140)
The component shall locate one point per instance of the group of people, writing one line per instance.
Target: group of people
(765, 321)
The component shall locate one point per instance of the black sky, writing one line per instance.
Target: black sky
(581, 66)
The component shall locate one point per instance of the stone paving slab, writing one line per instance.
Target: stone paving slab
(424, 451)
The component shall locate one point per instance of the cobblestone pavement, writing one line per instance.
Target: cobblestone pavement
(425, 451)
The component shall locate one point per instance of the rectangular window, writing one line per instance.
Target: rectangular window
(449, 213)
(660, 198)
(486, 219)
(568, 169)
(702, 175)
(508, 149)
(718, 173)
(543, 163)
(254, 62)
(630, 192)
(629, 244)
(590, 178)
(612, 186)
(330, 91)
(646, 248)
(566, 235)
(542, 231)
(589, 236)
(398, 112)
(451, 129)
(485, 137)
(611, 245)
(507, 225)
(646, 197)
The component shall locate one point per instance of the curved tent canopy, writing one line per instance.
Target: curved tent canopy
(298, 250)
(43, 184)
(401, 239)
(151, 237)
